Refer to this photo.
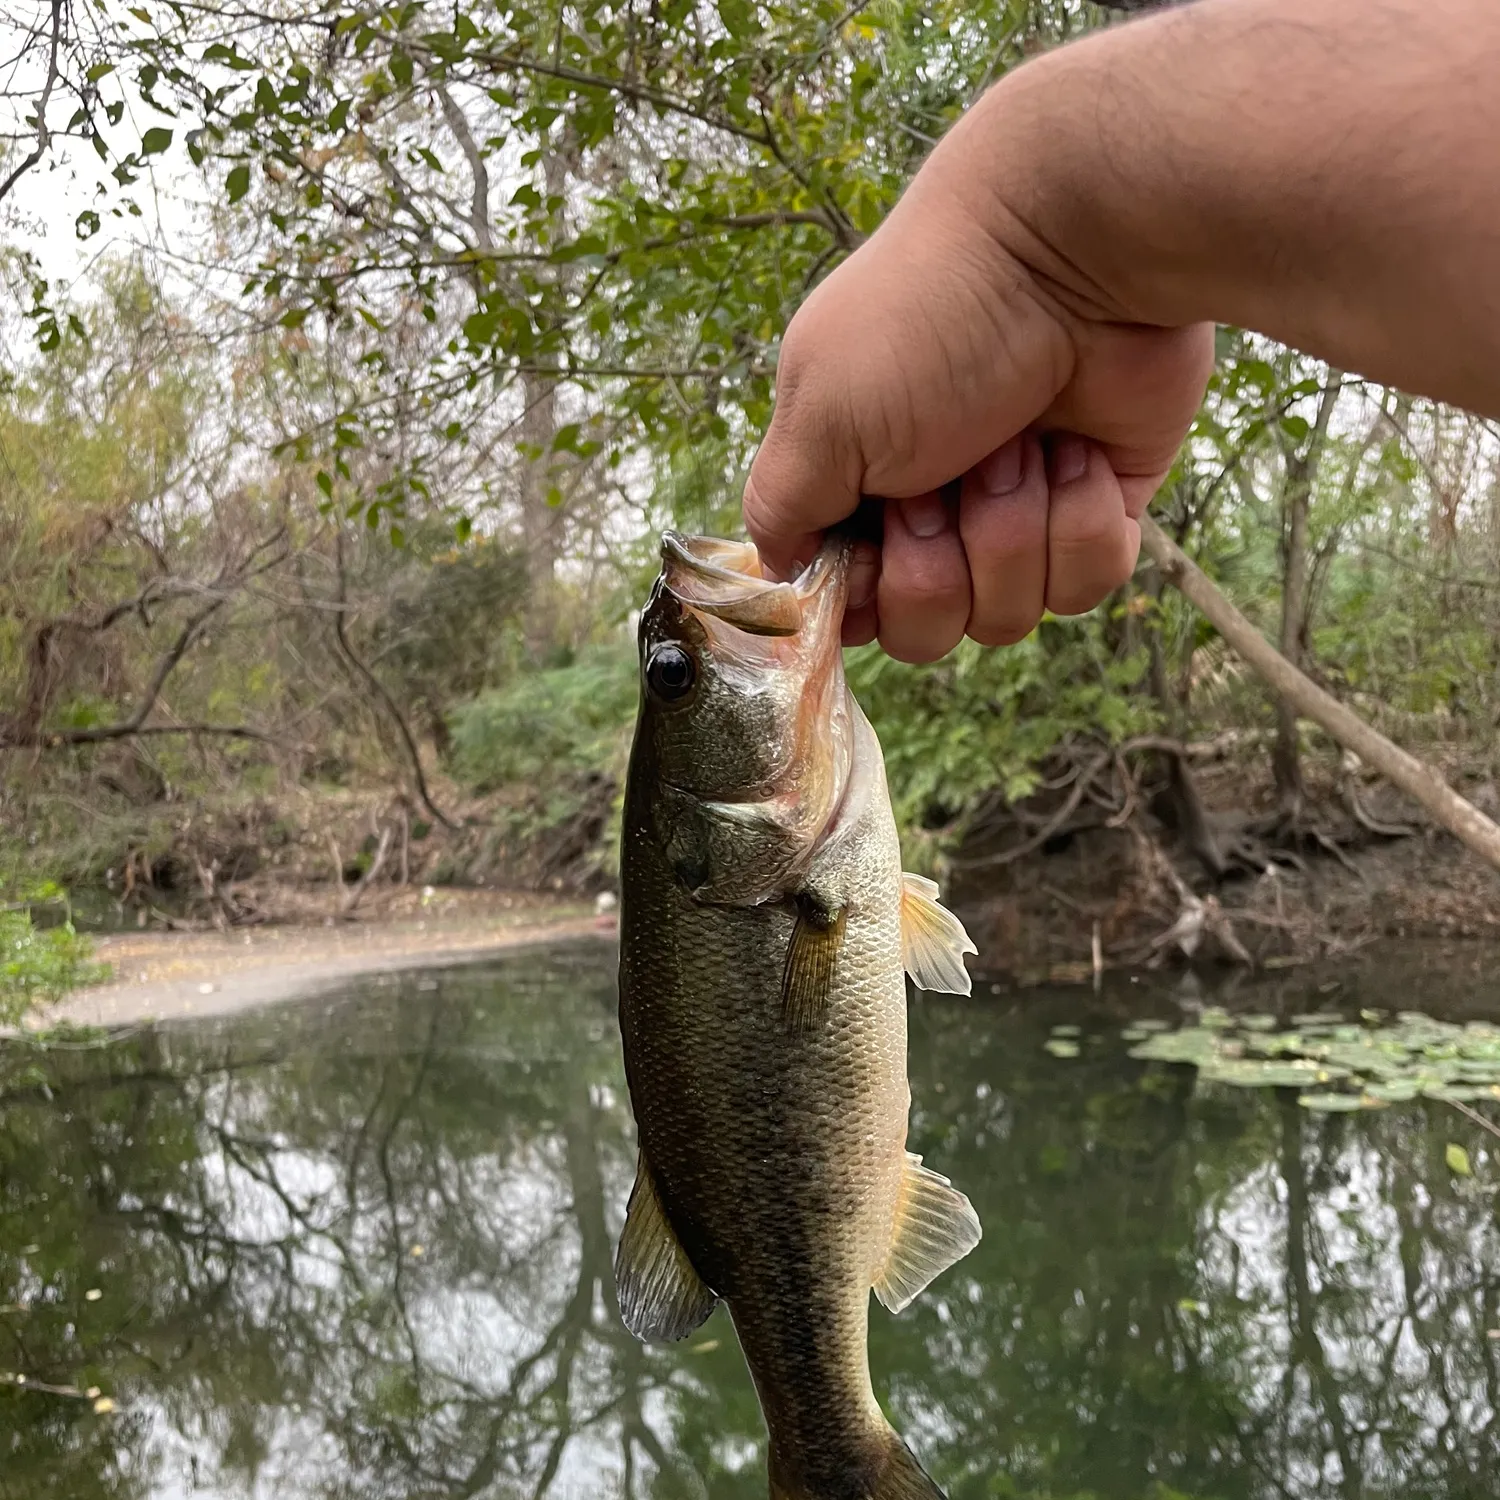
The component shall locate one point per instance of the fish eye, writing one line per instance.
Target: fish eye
(671, 673)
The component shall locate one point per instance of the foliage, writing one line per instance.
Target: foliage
(557, 739)
(480, 301)
(624, 201)
(550, 726)
(982, 722)
(39, 965)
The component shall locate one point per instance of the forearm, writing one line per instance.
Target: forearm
(1324, 171)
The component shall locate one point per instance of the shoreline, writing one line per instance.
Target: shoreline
(164, 976)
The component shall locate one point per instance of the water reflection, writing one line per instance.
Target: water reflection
(363, 1249)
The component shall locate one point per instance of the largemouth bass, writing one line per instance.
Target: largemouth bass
(765, 925)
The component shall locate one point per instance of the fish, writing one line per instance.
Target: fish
(766, 929)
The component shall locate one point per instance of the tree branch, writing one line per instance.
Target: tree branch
(479, 172)
(1414, 777)
(341, 633)
(43, 134)
(58, 738)
(502, 62)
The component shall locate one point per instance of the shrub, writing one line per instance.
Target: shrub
(39, 965)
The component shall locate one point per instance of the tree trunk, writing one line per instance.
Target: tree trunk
(541, 521)
(1414, 777)
(1301, 475)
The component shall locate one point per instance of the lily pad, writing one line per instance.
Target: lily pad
(1394, 1090)
(1333, 1103)
(1381, 1062)
(1061, 1047)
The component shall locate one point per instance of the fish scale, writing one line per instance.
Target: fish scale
(765, 931)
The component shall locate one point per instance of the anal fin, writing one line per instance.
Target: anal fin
(935, 1226)
(662, 1297)
(811, 959)
(933, 940)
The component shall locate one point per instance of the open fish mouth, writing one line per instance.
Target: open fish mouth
(724, 581)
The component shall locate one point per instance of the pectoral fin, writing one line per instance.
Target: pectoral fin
(811, 959)
(661, 1296)
(933, 940)
(935, 1226)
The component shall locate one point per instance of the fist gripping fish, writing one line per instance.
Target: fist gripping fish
(765, 926)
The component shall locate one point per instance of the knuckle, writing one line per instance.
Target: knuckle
(1087, 542)
(927, 590)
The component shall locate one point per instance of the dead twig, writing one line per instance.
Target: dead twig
(353, 897)
(1475, 1116)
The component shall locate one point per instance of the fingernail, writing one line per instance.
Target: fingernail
(1000, 473)
(1070, 458)
(925, 515)
(864, 570)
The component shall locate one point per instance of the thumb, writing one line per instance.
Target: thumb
(808, 471)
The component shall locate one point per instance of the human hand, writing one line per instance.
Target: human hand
(947, 349)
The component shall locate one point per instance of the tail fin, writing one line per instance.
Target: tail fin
(900, 1478)
(904, 1478)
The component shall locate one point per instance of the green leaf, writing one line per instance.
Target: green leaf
(1458, 1160)
(481, 327)
(238, 182)
(99, 70)
(325, 482)
(218, 52)
(401, 69)
(156, 140)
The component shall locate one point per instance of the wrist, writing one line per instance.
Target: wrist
(1063, 166)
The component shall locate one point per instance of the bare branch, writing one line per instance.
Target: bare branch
(122, 731)
(341, 633)
(43, 132)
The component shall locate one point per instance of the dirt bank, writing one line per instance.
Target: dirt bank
(169, 975)
(1109, 856)
(1333, 883)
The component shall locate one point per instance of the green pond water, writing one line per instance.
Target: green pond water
(361, 1247)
